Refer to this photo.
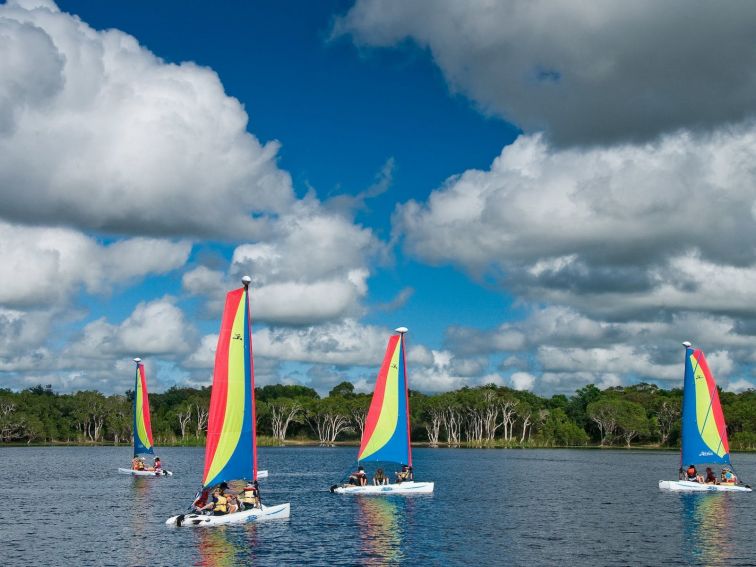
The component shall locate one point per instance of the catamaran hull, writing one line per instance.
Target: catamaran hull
(145, 473)
(386, 489)
(688, 486)
(277, 512)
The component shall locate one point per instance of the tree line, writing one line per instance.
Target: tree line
(486, 416)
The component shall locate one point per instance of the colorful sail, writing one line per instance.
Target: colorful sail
(231, 448)
(387, 433)
(704, 433)
(142, 426)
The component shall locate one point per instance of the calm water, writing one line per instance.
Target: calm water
(496, 507)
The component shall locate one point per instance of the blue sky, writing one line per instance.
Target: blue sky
(514, 185)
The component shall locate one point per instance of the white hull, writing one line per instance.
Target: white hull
(145, 473)
(262, 474)
(688, 486)
(386, 489)
(277, 512)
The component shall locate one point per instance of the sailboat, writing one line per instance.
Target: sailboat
(704, 432)
(231, 445)
(143, 445)
(387, 428)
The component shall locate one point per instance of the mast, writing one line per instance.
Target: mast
(403, 331)
(250, 364)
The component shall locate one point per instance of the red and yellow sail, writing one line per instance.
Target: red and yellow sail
(704, 432)
(387, 435)
(142, 427)
(231, 448)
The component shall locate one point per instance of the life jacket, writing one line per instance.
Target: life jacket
(403, 475)
(249, 496)
(220, 505)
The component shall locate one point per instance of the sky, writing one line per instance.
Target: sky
(548, 194)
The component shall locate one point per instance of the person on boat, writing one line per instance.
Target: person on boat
(692, 474)
(140, 464)
(710, 477)
(234, 505)
(359, 477)
(403, 475)
(157, 466)
(200, 502)
(250, 496)
(728, 477)
(135, 464)
(219, 505)
(380, 478)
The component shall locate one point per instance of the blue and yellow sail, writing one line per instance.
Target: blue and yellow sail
(231, 448)
(704, 432)
(387, 432)
(142, 428)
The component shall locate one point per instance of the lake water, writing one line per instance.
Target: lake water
(68, 506)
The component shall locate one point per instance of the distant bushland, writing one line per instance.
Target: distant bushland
(642, 415)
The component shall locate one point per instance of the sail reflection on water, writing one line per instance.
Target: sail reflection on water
(140, 501)
(226, 547)
(381, 526)
(707, 528)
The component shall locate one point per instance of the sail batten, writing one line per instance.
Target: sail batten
(704, 432)
(387, 434)
(143, 444)
(230, 449)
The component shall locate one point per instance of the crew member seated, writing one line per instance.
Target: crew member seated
(710, 477)
(380, 478)
(250, 496)
(692, 474)
(404, 475)
(359, 477)
(728, 477)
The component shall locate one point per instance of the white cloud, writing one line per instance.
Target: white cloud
(153, 328)
(47, 265)
(586, 72)
(97, 132)
(522, 381)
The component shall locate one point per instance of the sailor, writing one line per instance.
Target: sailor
(158, 466)
(692, 474)
(380, 478)
(220, 506)
(710, 478)
(250, 496)
(728, 477)
(359, 477)
(403, 475)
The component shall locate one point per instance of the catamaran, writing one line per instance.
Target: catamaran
(704, 432)
(387, 427)
(231, 445)
(143, 446)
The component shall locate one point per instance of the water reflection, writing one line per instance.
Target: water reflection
(140, 505)
(708, 528)
(223, 546)
(381, 529)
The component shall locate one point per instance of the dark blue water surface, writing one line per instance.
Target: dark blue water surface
(69, 506)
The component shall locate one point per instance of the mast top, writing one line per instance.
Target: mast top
(401, 330)
(137, 360)
(687, 344)
(246, 280)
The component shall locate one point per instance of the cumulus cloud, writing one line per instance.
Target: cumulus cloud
(153, 328)
(312, 269)
(586, 72)
(130, 143)
(43, 266)
(615, 232)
